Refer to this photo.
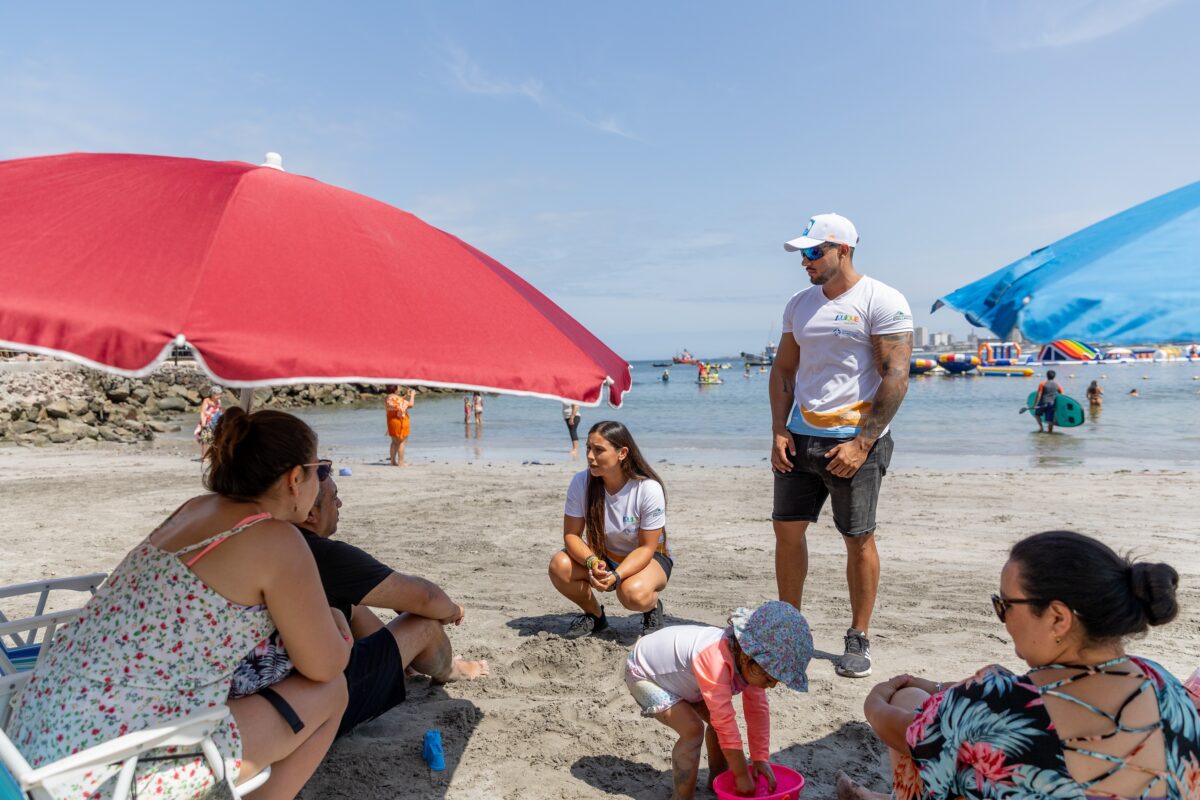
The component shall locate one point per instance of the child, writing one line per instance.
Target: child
(686, 675)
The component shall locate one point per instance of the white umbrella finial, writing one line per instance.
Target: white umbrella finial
(274, 161)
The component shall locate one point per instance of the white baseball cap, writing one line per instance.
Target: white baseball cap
(825, 228)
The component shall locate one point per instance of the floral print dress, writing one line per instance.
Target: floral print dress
(991, 737)
(154, 644)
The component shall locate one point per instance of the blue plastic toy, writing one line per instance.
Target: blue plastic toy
(431, 751)
(345, 472)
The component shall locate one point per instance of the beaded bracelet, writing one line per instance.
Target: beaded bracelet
(590, 562)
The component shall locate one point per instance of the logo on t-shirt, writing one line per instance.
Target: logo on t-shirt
(846, 318)
(629, 520)
(900, 316)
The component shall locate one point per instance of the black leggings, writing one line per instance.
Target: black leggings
(573, 427)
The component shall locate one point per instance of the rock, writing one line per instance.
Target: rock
(78, 406)
(174, 403)
(36, 439)
(152, 406)
(141, 394)
(160, 427)
(88, 418)
(22, 426)
(58, 437)
(16, 413)
(118, 394)
(59, 409)
(109, 435)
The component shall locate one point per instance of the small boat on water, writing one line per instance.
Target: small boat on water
(764, 359)
(661, 364)
(685, 358)
(707, 374)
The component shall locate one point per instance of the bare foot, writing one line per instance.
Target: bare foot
(464, 670)
(847, 789)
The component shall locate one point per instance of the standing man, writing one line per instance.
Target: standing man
(1043, 404)
(839, 376)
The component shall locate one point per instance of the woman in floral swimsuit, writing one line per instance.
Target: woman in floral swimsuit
(162, 637)
(1086, 722)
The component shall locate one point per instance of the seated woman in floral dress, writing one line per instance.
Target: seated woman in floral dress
(162, 637)
(1087, 721)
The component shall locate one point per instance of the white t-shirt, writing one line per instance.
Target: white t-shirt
(837, 379)
(639, 505)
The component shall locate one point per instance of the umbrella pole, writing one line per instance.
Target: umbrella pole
(247, 398)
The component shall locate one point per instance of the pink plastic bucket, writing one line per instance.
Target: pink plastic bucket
(788, 785)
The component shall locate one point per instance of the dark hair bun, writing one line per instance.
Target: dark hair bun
(1154, 586)
(250, 451)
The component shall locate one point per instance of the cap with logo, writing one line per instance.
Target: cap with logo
(825, 228)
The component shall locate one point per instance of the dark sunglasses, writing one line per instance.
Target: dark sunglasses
(324, 468)
(816, 252)
(1000, 605)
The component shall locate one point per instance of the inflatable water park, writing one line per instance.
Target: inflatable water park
(1006, 359)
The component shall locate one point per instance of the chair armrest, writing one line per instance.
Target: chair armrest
(75, 583)
(24, 624)
(183, 732)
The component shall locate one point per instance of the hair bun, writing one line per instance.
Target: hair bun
(1154, 586)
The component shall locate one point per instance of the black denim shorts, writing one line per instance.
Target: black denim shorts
(799, 494)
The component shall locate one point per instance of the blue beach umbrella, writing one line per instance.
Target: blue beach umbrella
(1131, 278)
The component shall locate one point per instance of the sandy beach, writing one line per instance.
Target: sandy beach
(554, 719)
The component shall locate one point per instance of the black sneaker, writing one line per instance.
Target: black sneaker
(856, 661)
(652, 620)
(585, 625)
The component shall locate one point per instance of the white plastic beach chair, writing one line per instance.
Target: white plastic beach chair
(22, 637)
(20, 781)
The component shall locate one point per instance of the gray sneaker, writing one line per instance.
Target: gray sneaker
(652, 620)
(585, 625)
(856, 661)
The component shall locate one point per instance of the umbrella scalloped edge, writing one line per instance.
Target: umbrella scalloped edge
(165, 355)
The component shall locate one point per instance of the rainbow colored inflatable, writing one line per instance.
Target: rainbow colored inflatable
(958, 362)
(1068, 350)
(919, 366)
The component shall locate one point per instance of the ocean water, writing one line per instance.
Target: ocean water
(969, 423)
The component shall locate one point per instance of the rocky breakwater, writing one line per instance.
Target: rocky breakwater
(67, 404)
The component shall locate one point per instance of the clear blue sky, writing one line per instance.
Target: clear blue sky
(642, 163)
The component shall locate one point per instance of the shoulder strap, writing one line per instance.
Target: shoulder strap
(208, 545)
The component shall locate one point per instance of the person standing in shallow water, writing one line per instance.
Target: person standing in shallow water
(838, 378)
(398, 423)
(1043, 405)
(614, 534)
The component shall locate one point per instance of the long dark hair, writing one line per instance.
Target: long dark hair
(250, 451)
(634, 466)
(1113, 596)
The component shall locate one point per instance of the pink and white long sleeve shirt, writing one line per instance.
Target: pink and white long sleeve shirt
(695, 662)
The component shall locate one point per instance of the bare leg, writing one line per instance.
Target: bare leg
(685, 756)
(571, 581)
(267, 739)
(862, 576)
(640, 592)
(393, 450)
(423, 645)
(717, 763)
(400, 452)
(791, 560)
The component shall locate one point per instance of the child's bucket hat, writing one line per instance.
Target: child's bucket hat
(777, 637)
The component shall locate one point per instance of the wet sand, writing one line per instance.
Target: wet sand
(554, 719)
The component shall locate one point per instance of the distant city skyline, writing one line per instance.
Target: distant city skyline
(642, 164)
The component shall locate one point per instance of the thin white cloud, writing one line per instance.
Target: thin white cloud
(467, 76)
(1033, 24)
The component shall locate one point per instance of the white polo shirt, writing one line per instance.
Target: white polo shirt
(837, 378)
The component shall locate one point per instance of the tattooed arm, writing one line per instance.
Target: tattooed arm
(892, 354)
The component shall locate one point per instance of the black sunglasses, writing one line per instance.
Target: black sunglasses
(1000, 605)
(324, 468)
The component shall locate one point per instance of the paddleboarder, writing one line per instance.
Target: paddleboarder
(1043, 407)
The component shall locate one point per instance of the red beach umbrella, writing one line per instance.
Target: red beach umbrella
(271, 278)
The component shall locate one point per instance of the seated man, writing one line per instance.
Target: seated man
(414, 641)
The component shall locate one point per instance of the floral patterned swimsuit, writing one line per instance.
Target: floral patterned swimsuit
(992, 737)
(153, 645)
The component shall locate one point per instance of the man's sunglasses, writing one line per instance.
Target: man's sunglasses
(816, 252)
(1000, 605)
(324, 468)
